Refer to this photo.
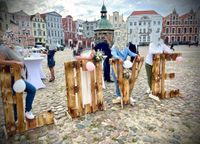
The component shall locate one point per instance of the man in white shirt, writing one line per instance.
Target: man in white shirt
(157, 46)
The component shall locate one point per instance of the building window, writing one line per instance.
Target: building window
(40, 33)
(158, 22)
(135, 23)
(52, 33)
(44, 33)
(185, 30)
(144, 30)
(195, 30)
(144, 23)
(186, 22)
(167, 22)
(140, 23)
(130, 31)
(167, 30)
(38, 25)
(144, 38)
(154, 22)
(34, 25)
(190, 30)
(178, 39)
(49, 33)
(179, 30)
(130, 23)
(148, 38)
(115, 18)
(35, 33)
(43, 25)
(158, 30)
(173, 30)
(23, 23)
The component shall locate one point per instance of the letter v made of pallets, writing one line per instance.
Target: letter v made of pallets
(126, 85)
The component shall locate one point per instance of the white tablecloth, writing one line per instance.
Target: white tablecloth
(35, 73)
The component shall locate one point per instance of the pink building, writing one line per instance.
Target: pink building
(180, 29)
(69, 27)
(23, 21)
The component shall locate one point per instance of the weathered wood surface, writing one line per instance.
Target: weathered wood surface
(126, 85)
(74, 87)
(159, 75)
(7, 75)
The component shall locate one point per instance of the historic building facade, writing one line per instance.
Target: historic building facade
(55, 32)
(5, 19)
(23, 21)
(69, 27)
(144, 26)
(88, 28)
(180, 29)
(39, 29)
(104, 28)
(120, 31)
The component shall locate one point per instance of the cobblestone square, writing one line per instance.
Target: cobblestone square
(175, 120)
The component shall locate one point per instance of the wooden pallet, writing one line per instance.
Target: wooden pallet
(126, 85)
(23, 124)
(159, 75)
(73, 70)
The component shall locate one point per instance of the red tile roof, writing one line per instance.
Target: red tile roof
(144, 12)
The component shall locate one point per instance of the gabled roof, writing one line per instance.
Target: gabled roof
(21, 12)
(52, 12)
(147, 12)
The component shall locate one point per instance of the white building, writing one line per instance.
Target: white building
(144, 26)
(119, 25)
(54, 27)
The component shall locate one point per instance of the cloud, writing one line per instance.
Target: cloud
(90, 9)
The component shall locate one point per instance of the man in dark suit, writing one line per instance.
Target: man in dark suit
(133, 49)
(104, 46)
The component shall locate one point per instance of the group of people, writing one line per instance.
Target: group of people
(9, 56)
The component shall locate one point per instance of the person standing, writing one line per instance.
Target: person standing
(104, 47)
(51, 62)
(9, 56)
(157, 46)
(133, 49)
(122, 56)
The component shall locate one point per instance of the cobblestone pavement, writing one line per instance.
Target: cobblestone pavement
(175, 120)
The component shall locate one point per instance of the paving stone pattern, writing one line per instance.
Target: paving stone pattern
(170, 121)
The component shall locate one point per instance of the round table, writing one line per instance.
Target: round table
(34, 69)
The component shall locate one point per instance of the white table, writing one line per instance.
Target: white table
(35, 73)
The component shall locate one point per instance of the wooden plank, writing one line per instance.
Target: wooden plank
(133, 76)
(126, 91)
(88, 108)
(7, 98)
(163, 76)
(19, 101)
(79, 93)
(135, 72)
(99, 85)
(156, 75)
(93, 89)
(71, 98)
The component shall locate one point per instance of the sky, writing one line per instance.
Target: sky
(90, 9)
